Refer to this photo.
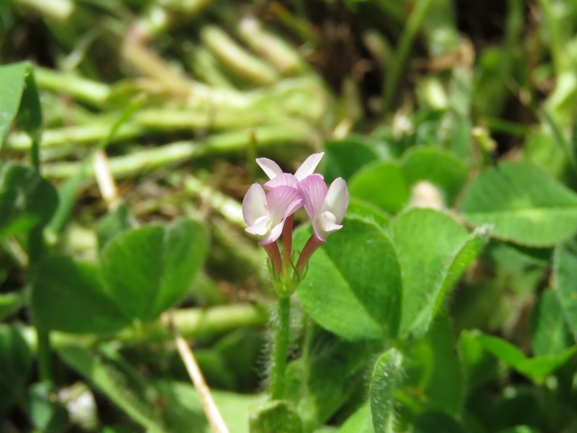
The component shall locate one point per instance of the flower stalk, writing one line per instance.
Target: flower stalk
(269, 214)
(313, 244)
(287, 242)
(280, 349)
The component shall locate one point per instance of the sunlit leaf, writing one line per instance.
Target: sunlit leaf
(382, 184)
(345, 157)
(150, 269)
(353, 283)
(69, 295)
(437, 166)
(433, 250)
(359, 422)
(522, 204)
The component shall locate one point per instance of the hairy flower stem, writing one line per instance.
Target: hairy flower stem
(311, 246)
(274, 256)
(287, 243)
(280, 349)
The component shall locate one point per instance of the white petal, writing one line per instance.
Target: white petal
(308, 167)
(260, 227)
(317, 229)
(337, 199)
(326, 223)
(270, 167)
(274, 234)
(254, 204)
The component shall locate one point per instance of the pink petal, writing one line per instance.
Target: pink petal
(254, 204)
(313, 189)
(274, 234)
(270, 167)
(337, 199)
(286, 179)
(280, 200)
(309, 166)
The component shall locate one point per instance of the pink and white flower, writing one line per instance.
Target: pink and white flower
(265, 213)
(326, 207)
(278, 178)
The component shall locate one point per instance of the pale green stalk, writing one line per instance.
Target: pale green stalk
(162, 15)
(84, 134)
(408, 36)
(179, 152)
(271, 47)
(221, 203)
(558, 55)
(59, 10)
(82, 89)
(191, 323)
(236, 58)
(206, 67)
(124, 166)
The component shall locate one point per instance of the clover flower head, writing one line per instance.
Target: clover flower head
(269, 215)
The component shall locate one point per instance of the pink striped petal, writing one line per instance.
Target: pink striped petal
(286, 179)
(308, 166)
(313, 189)
(337, 199)
(280, 200)
(254, 204)
(270, 167)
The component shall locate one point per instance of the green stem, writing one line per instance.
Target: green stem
(35, 152)
(413, 24)
(557, 49)
(44, 354)
(36, 249)
(561, 140)
(280, 349)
